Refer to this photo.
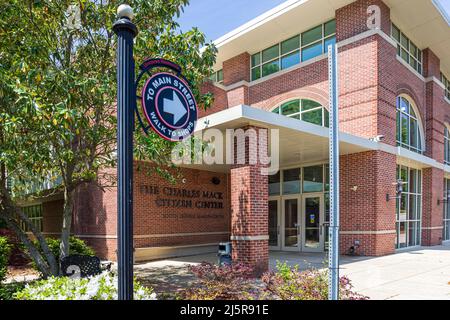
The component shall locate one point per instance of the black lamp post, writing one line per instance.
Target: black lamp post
(125, 31)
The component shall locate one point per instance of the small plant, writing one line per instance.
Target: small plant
(288, 283)
(99, 287)
(5, 250)
(227, 282)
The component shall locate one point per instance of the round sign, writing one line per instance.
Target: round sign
(169, 106)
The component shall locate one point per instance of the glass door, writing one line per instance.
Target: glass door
(274, 224)
(291, 223)
(313, 225)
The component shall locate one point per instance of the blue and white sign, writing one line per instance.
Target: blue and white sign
(169, 106)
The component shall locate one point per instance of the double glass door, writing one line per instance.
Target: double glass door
(296, 223)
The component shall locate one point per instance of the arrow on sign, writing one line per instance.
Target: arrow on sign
(174, 107)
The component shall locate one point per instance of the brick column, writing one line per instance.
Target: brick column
(236, 70)
(366, 216)
(249, 210)
(432, 212)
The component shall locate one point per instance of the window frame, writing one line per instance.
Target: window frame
(301, 112)
(420, 133)
(324, 38)
(35, 214)
(446, 144)
(215, 76)
(446, 212)
(418, 199)
(400, 47)
(446, 82)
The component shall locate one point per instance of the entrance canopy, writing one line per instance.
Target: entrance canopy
(299, 141)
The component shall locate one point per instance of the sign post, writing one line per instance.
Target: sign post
(333, 250)
(125, 31)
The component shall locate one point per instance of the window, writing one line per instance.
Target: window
(408, 208)
(446, 231)
(446, 145)
(309, 179)
(406, 49)
(290, 52)
(306, 110)
(34, 213)
(217, 76)
(409, 134)
(446, 83)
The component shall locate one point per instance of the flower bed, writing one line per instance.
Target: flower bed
(100, 287)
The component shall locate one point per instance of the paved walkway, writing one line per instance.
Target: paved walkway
(419, 274)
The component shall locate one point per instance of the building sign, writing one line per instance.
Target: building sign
(171, 197)
(169, 106)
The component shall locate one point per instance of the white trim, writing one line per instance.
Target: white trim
(367, 34)
(442, 11)
(258, 21)
(374, 232)
(436, 80)
(249, 238)
(447, 99)
(96, 236)
(433, 228)
(143, 236)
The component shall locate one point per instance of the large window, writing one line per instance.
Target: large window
(409, 133)
(290, 52)
(407, 50)
(306, 110)
(300, 180)
(446, 145)
(446, 230)
(446, 83)
(409, 208)
(34, 213)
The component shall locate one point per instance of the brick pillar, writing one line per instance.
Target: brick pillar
(352, 19)
(235, 70)
(366, 216)
(249, 210)
(432, 212)
(431, 64)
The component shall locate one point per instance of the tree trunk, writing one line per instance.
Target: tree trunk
(67, 222)
(10, 214)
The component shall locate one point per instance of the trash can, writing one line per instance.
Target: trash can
(224, 253)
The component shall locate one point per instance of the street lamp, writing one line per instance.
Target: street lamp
(126, 99)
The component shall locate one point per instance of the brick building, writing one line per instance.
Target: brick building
(272, 73)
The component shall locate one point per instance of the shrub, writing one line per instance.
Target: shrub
(99, 287)
(288, 283)
(7, 290)
(76, 246)
(5, 250)
(227, 282)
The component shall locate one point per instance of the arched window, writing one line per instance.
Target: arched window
(447, 144)
(409, 128)
(306, 110)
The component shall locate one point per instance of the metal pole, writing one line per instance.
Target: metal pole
(333, 254)
(125, 31)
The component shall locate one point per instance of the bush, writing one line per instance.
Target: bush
(76, 246)
(5, 250)
(7, 290)
(221, 283)
(288, 283)
(99, 287)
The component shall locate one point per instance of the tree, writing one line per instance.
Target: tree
(62, 80)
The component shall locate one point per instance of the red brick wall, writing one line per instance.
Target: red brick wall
(351, 20)
(366, 210)
(432, 216)
(96, 212)
(236, 69)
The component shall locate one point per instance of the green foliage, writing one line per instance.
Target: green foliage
(76, 246)
(288, 283)
(8, 290)
(226, 282)
(5, 250)
(100, 287)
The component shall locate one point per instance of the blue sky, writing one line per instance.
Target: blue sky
(217, 17)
